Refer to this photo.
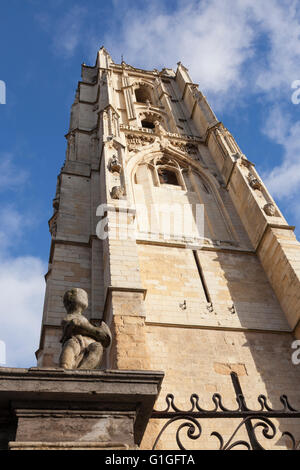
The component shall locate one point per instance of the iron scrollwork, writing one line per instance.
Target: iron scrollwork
(252, 420)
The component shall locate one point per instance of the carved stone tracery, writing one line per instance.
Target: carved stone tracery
(185, 147)
(135, 142)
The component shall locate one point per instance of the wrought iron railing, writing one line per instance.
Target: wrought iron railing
(251, 420)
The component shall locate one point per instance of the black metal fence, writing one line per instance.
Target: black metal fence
(251, 420)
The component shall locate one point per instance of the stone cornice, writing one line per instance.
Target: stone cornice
(105, 376)
(67, 445)
(36, 392)
(269, 226)
(81, 82)
(190, 246)
(83, 131)
(134, 70)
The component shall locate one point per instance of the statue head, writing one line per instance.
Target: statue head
(75, 299)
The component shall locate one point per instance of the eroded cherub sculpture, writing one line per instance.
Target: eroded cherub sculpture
(82, 343)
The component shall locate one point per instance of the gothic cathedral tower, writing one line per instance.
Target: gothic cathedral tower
(144, 152)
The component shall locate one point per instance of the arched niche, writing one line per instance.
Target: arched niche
(166, 179)
(144, 93)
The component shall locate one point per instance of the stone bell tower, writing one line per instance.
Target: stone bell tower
(144, 149)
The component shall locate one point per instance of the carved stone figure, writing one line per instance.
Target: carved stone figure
(117, 192)
(254, 182)
(82, 342)
(115, 165)
(269, 209)
(159, 129)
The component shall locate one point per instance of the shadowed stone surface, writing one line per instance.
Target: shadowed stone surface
(83, 409)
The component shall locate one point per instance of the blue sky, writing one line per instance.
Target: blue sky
(244, 55)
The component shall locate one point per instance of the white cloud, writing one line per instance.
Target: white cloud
(212, 38)
(66, 31)
(22, 290)
(232, 46)
(232, 49)
(13, 225)
(279, 21)
(284, 180)
(11, 176)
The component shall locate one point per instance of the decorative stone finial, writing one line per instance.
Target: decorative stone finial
(82, 342)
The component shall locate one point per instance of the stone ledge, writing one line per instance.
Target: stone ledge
(53, 401)
(68, 445)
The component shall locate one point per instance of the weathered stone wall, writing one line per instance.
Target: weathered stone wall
(238, 289)
(199, 360)
(198, 348)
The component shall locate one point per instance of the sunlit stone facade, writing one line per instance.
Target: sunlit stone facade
(195, 304)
